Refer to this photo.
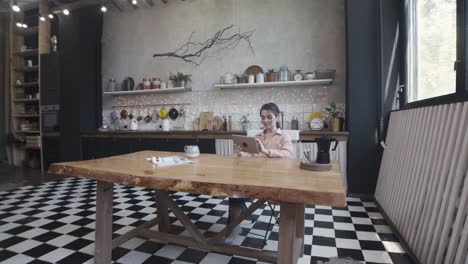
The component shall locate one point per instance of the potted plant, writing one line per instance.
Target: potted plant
(270, 75)
(180, 79)
(241, 78)
(245, 122)
(334, 113)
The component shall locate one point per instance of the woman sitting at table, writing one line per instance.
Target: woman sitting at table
(272, 143)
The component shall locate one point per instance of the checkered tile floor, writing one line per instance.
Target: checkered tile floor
(54, 223)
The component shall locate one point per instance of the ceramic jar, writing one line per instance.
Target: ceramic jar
(260, 77)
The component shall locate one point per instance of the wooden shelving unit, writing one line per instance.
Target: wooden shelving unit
(27, 69)
(26, 31)
(26, 116)
(26, 100)
(29, 87)
(28, 53)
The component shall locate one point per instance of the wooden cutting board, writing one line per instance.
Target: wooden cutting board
(217, 123)
(206, 121)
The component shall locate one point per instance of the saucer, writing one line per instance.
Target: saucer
(192, 155)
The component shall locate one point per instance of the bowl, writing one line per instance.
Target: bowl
(325, 74)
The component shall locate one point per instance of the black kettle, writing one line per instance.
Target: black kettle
(323, 149)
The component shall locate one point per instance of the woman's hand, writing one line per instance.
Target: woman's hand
(262, 148)
(237, 149)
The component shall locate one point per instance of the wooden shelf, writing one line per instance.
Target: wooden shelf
(28, 132)
(28, 69)
(167, 90)
(27, 31)
(25, 100)
(306, 83)
(25, 116)
(25, 147)
(28, 53)
(26, 85)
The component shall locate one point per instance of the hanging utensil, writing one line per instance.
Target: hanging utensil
(181, 112)
(123, 114)
(173, 113)
(139, 118)
(155, 115)
(148, 117)
(130, 116)
(163, 113)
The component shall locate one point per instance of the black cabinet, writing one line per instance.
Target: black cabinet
(94, 148)
(80, 78)
(51, 151)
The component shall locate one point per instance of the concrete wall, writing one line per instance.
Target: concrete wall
(301, 34)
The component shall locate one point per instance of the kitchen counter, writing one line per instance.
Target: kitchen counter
(305, 135)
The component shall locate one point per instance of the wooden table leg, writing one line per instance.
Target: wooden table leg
(300, 214)
(289, 245)
(162, 211)
(103, 240)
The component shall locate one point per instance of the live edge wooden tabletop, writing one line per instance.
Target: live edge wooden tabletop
(244, 177)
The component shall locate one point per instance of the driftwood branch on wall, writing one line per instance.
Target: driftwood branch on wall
(196, 52)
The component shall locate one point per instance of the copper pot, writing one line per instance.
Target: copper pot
(123, 114)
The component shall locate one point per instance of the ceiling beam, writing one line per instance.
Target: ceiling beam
(116, 5)
(134, 6)
(75, 5)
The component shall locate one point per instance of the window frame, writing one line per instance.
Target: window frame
(461, 92)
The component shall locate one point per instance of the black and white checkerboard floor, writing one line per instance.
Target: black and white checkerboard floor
(54, 223)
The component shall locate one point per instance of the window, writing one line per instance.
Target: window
(434, 67)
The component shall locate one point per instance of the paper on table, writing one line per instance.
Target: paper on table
(169, 161)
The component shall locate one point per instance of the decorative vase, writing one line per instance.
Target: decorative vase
(270, 76)
(245, 127)
(335, 124)
(181, 84)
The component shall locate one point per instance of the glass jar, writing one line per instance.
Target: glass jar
(111, 85)
(283, 74)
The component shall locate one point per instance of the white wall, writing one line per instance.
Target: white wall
(302, 34)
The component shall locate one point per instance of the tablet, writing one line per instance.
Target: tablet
(248, 144)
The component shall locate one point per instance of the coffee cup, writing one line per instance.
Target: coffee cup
(192, 151)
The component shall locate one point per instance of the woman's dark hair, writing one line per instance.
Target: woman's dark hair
(273, 108)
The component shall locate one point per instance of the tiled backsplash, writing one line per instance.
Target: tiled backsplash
(293, 101)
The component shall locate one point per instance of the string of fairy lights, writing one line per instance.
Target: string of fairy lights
(42, 17)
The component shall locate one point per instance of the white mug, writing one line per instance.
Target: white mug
(192, 150)
(251, 78)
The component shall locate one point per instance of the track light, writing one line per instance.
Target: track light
(42, 18)
(18, 24)
(66, 12)
(15, 7)
(104, 9)
(25, 26)
(51, 16)
(134, 2)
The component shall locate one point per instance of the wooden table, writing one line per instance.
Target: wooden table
(258, 178)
